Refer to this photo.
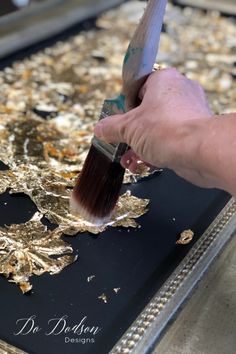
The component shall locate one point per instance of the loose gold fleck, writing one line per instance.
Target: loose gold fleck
(185, 237)
(25, 287)
(103, 297)
(90, 278)
(116, 290)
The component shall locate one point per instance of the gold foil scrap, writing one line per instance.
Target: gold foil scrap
(116, 290)
(103, 297)
(31, 249)
(185, 237)
(90, 278)
(127, 210)
(6, 178)
(51, 194)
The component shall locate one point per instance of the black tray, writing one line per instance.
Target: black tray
(137, 261)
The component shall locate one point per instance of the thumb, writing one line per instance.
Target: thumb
(113, 129)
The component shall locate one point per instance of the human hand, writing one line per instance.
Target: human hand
(154, 129)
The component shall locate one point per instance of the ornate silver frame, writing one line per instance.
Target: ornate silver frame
(144, 333)
(6, 348)
(28, 26)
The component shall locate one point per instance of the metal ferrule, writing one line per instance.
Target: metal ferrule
(112, 151)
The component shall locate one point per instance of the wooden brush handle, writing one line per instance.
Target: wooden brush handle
(142, 51)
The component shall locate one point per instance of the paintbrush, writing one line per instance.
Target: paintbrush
(97, 188)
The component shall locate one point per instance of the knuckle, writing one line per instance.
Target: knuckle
(197, 84)
(124, 127)
(99, 129)
(131, 127)
(143, 90)
(172, 72)
(149, 80)
(128, 134)
(199, 88)
(122, 132)
(153, 74)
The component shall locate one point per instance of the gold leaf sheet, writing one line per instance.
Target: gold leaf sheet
(49, 181)
(26, 249)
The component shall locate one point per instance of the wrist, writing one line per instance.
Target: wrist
(185, 144)
(217, 151)
(202, 151)
(192, 154)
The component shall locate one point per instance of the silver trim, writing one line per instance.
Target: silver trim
(141, 337)
(6, 348)
(226, 6)
(36, 23)
(30, 10)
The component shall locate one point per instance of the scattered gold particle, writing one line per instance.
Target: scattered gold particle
(90, 278)
(103, 297)
(185, 237)
(116, 290)
(50, 102)
(25, 287)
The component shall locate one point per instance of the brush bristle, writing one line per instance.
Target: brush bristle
(97, 189)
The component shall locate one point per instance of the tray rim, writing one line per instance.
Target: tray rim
(6, 348)
(33, 26)
(144, 333)
(226, 7)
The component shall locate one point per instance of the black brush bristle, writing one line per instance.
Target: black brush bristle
(97, 189)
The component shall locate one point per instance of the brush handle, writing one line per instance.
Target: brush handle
(142, 51)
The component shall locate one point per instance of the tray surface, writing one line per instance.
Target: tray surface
(138, 262)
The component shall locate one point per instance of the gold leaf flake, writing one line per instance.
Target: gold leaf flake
(128, 209)
(90, 278)
(103, 297)
(26, 249)
(51, 195)
(116, 290)
(6, 178)
(185, 237)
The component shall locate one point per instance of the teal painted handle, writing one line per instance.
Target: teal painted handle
(142, 51)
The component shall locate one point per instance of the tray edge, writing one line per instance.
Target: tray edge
(6, 348)
(145, 331)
